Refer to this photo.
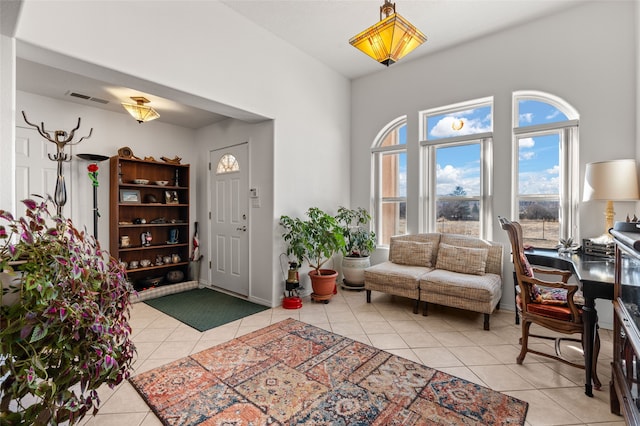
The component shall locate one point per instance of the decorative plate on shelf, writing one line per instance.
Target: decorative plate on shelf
(141, 181)
(162, 182)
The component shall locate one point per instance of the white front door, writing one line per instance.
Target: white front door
(36, 174)
(229, 236)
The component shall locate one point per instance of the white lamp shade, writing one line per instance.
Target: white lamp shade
(615, 180)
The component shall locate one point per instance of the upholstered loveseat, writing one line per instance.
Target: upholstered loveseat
(446, 269)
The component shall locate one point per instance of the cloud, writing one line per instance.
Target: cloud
(555, 170)
(553, 114)
(527, 155)
(526, 143)
(526, 117)
(531, 183)
(449, 177)
(444, 127)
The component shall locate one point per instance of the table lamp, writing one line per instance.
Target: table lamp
(614, 180)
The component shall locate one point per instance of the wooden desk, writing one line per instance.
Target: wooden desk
(596, 276)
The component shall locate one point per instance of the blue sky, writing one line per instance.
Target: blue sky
(538, 157)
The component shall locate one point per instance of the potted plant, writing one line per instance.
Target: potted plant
(360, 241)
(66, 331)
(315, 241)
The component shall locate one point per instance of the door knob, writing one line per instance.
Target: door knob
(244, 229)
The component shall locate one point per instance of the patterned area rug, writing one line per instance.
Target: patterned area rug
(293, 373)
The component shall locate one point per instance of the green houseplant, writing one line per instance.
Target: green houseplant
(314, 240)
(360, 241)
(66, 332)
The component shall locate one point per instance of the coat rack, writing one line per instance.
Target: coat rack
(61, 138)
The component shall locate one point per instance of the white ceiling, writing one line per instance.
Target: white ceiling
(321, 28)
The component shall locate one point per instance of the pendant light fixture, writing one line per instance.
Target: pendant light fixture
(140, 111)
(390, 39)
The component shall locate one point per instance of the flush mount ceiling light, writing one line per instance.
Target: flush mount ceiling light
(140, 111)
(390, 39)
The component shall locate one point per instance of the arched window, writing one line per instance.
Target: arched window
(456, 145)
(389, 168)
(227, 164)
(545, 167)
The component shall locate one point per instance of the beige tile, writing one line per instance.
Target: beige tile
(541, 376)
(173, 350)
(377, 327)
(118, 419)
(543, 410)
(388, 341)
(586, 409)
(125, 400)
(437, 357)
(473, 355)
(420, 340)
(452, 338)
(501, 377)
(345, 328)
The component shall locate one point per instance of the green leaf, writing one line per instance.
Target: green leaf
(38, 333)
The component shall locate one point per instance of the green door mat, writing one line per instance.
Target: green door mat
(204, 309)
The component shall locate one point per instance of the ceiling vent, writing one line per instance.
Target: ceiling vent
(87, 97)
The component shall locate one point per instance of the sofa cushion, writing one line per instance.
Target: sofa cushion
(413, 253)
(389, 277)
(465, 260)
(482, 289)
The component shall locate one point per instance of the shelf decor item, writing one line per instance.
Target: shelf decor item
(130, 196)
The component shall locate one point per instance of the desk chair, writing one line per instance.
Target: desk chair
(556, 306)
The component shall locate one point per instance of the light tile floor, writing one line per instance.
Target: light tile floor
(448, 339)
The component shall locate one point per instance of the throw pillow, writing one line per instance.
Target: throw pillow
(413, 253)
(465, 260)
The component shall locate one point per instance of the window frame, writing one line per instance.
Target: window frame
(568, 196)
(377, 155)
(428, 169)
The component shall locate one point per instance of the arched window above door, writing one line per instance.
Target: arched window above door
(227, 164)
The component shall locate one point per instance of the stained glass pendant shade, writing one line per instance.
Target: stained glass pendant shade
(390, 39)
(140, 111)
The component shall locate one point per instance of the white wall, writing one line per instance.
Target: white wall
(192, 51)
(586, 55)
(260, 219)
(111, 131)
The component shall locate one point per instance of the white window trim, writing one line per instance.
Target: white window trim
(429, 203)
(377, 153)
(569, 157)
(569, 191)
(427, 209)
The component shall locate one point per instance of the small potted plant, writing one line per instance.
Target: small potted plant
(65, 330)
(360, 241)
(315, 241)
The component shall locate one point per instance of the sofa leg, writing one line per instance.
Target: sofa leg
(486, 321)
(416, 307)
(424, 309)
(368, 296)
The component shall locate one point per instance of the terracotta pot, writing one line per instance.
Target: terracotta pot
(324, 285)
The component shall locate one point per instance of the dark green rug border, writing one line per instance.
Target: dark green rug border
(204, 308)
